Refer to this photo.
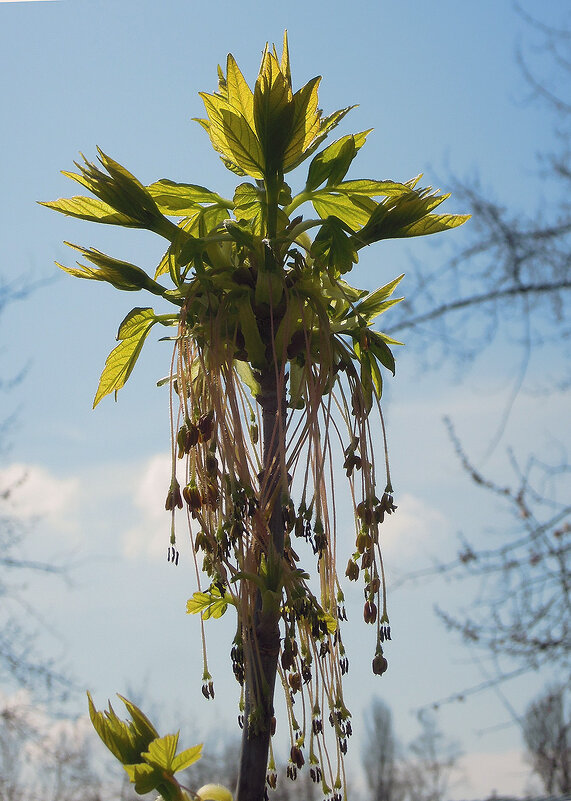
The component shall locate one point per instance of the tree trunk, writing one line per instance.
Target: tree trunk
(261, 650)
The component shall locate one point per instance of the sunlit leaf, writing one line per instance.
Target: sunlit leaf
(376, 302)
(145, 777)
(355, 212)
(239, 94)
(434, 223)
(332, 163)
(305, 124)
(247, 375)
(371, 188)
(91, 209)
(141, 722)
(333, 247)
(181, 200)
(120, 274)
(186, 758)
(161, 752)
(122, 359)
(273, 113)
(209, 604)
(232, 136)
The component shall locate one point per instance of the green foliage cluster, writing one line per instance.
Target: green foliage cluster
(264, 315)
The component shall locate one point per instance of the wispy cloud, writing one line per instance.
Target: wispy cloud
(487, 774)
(30, 491)
(148, 539)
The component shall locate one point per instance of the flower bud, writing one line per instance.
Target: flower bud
(295, 682)
(380, 665)
(297, 757)
(206, 425)
(352, 571)
(370, 612)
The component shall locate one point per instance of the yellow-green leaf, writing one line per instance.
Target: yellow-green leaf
(91, 209)
(122, 359)
(232, 136)
(209, 604)
(161, 752)
(186, 758)
(434, 223)
(239, 93)
(181, 200)
(353, 211)
(120, 274)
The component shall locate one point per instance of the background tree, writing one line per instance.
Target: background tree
(427, 772)
(512, 280)
(511, 283)
(547, 735)
(379, 754)
(523, 583)
(21, 662)
(274, 358)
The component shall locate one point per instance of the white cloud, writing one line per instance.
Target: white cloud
(415, 529)
(30, 491)
(149, 538)
(487, 774)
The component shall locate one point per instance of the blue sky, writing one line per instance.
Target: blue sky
(439, 84)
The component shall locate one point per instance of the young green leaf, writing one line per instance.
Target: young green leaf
(145, 777)
(161, 751)
(90, 209)
(122, 359)
(332, 163)
(120, 274)
(209, 604)
(181, 200)
(186, 758)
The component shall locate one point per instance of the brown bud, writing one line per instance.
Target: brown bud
(206, 426)
(287, 659)
(211, 464)
(363, 542)
(380, 665)
(370, 612)
(294, 680)
(192, 497)
(297, 757)
(352, 571)
(192, 435)
(174, 497)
